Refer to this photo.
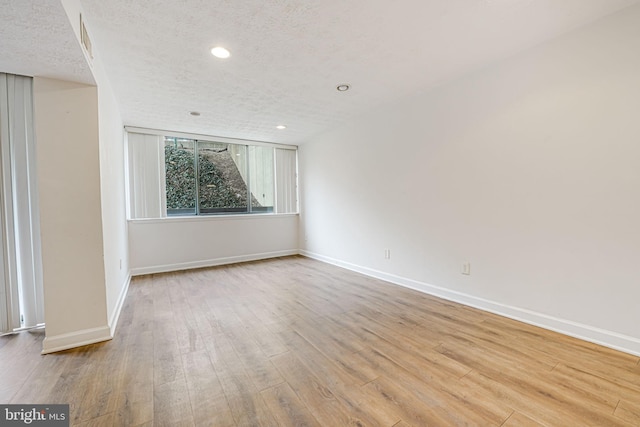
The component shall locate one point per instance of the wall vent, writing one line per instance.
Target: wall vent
(84, 39)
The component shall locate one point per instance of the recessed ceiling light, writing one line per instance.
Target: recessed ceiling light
(194, 113)
(281, 127)
(343, 87)
(220, 52)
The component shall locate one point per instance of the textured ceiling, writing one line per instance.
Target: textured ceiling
(36, 39)
(287, 55)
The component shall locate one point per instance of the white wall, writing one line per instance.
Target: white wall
(529, 170)
(66, 121)
(113, 201)
(81, 176)
(179, 243)
(116, 259)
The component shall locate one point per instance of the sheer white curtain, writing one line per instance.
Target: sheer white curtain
(286, 181)
(146, 176)
(21, 289)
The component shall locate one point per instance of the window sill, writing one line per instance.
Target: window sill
(199, 218)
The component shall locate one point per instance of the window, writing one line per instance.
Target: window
(222, 178)
(171, 175)
(180, 176)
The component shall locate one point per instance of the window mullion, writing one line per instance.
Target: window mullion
(196, 169)
(248, 157)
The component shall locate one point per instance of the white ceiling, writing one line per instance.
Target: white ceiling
(287, 55)
(36, 39)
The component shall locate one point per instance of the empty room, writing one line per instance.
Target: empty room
(320, 213)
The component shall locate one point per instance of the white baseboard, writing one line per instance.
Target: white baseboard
(592, 334)
(210, 262)
(88, 336)
(115, 314)
(75, 339)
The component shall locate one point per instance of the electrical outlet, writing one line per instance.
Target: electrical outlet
(466, 268)
(387, 254)
(120, 263)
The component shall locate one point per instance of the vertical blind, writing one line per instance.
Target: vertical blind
(286, 182)
(146, 176)
(21, 289)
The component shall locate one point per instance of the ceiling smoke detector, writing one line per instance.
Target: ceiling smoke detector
(343, 87)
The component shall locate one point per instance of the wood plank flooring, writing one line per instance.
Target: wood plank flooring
(295, 342)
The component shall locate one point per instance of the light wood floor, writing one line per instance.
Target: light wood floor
(294, 342)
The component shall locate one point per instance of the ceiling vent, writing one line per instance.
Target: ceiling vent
(84, 39)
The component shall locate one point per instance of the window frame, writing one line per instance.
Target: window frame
(249, 211)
